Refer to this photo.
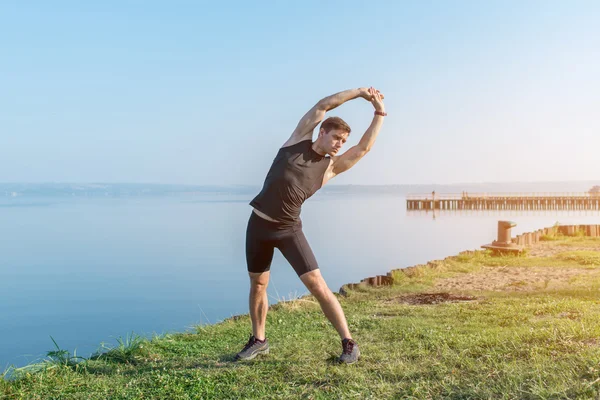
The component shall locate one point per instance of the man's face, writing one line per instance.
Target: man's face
(333, 141)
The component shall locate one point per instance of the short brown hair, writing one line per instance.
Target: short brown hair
(335, 123)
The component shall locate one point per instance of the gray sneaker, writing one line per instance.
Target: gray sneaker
(350, 353)
(252, 349)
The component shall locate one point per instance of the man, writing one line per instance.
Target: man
(300, 168)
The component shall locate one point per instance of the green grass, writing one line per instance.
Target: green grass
(581, 257)
(578, 237)
(542, 344)
(57, 358)
(130, 350)
(572, 241)
(422, 276)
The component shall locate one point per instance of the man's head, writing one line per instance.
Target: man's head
(332, 135)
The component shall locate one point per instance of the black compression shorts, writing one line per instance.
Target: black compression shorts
(263, 236)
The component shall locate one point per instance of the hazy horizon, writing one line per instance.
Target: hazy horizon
(24, 189)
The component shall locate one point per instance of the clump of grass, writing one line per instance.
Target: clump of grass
(581, 241)
(580, 232)
(59, 358)
(581, 257)
(549, 238)
(6, 374)
(554, 234)
(293, 301)
(573, 241)
(128, 351)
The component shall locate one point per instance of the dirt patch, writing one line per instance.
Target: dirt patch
(514, 278)
(550, 249)
(431, 298)
(591, 342)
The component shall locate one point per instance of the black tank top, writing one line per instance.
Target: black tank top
(295, 175)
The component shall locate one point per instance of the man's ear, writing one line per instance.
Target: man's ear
(321, 132)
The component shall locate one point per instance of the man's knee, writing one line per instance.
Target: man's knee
(315, 283)
(321, 292)
(259, 281)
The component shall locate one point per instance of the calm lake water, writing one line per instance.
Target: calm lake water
(88, 270)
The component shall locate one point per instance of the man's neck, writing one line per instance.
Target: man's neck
(318, 150)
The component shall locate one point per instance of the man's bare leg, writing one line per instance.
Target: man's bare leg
(259, 304)
(330, 305)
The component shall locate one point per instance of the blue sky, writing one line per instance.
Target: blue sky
(206, 92)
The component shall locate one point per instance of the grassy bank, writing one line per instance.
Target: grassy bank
(498, 327)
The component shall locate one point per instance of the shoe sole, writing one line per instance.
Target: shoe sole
(350, 363)
(265, 351)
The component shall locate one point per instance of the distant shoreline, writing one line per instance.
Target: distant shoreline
(150, 189)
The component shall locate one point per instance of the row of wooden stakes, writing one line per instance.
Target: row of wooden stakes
(525, 239)
(530, 238)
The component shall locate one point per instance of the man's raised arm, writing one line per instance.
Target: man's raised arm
(355, 153)
(316, 114)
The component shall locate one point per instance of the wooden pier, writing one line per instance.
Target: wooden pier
(506, 201)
